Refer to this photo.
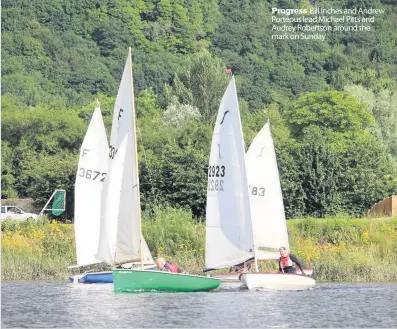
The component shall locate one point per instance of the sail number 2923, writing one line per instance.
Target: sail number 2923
(215, 175)
(216, 171)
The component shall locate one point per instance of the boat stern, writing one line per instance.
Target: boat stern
(97, 277)
(279, 281)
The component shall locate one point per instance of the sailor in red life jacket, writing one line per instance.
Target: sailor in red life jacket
(164, 265)
(285, 262)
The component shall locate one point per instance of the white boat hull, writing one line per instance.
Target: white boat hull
(308, 271)
(235, 276)
(270, 281)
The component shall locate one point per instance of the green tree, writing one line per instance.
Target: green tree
(383, 108)
(333, 110)
(184, 177)
(368, 174)
(319, 170)
(342, 165)
(201, 85)
(7, 173)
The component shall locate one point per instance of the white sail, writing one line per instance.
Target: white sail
(110, 209)
(229, 238)
(111, 250)
(267, 208)
(123, 233)
(90, 176)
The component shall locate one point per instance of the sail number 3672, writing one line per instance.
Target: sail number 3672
(92, 174)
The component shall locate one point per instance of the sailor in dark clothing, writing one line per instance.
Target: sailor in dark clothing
(286, 260)
(242, 267)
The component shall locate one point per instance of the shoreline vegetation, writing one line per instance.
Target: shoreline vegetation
(340, 249)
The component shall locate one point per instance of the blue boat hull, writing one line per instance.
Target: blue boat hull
(97, 277)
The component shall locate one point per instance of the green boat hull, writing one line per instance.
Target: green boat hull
(137, 280)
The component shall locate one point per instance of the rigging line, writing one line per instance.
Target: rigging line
(148, 169)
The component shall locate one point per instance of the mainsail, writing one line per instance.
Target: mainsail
(229, 239)
(121, 240)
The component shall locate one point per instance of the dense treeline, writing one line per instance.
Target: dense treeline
(332, 104)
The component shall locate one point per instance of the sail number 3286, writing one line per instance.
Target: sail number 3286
(215, 184)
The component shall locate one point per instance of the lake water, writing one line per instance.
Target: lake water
(49, 304)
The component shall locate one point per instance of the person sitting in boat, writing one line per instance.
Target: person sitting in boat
(242, 267)
(285, 262)
(167, 266)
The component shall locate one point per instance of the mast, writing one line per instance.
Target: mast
(136, 155)
(249, 192)
(255, 258)
(275, 155)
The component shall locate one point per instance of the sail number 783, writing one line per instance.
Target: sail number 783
(257, 190)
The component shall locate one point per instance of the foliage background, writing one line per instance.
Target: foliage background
(332, 104)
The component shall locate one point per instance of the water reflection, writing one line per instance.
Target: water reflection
(39, 304)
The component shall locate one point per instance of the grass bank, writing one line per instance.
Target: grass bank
(342, 249)
(339, 249)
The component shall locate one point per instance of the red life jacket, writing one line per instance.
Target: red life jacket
(286, 261)
(172, 267)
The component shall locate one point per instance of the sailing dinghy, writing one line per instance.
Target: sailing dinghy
(121, 237)
(268, 217)
(234, 219)
(90, 179)
(90, 176)
(119, 200)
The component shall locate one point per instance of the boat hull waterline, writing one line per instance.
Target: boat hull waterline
(138, 281)
(269, 281)
(93, 277)
(235, 276)
(100, 277)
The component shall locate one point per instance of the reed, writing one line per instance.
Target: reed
(36, 251)
(343, 249)
(339, 249)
